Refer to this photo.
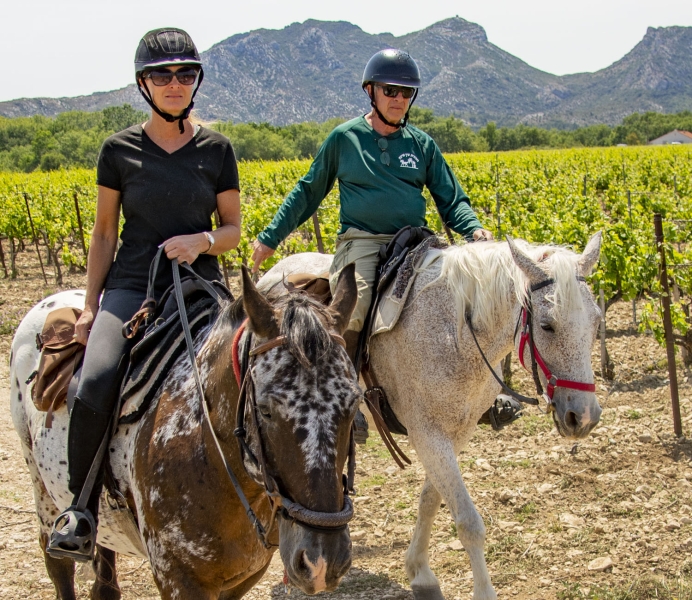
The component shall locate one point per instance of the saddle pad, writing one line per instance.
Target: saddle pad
(393, 300)
(151, 362)
(123, 535)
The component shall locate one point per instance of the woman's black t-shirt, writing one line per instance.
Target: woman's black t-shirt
(163, 195)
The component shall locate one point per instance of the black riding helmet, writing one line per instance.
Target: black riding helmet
(167, 47)
(392, 67)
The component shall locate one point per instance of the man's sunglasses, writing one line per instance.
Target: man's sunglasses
(164, 77)
(392, 91)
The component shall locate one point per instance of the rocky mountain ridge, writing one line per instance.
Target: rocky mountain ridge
(311, 71)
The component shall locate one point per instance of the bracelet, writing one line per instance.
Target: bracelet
(210, 239)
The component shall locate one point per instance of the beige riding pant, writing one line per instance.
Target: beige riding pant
(362, 248)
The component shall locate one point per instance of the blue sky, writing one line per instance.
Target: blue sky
(75, 47)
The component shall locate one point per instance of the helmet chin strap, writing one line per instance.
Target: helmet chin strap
(382, 118)
(166, 116)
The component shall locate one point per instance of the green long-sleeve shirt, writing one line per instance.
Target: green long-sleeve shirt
(375, 197)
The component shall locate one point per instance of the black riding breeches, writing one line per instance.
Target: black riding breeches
(99, 387)
(104, 360)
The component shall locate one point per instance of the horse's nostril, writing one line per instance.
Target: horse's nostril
(301, 563)
(571, 420)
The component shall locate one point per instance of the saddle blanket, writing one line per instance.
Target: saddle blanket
(394, 299)
(153, 357)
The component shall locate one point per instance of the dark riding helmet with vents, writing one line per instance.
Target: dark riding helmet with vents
(167, 47)
(392, 67)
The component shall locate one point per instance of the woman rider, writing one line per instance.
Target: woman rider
(168, 176)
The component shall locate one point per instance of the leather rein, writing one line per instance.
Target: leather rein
(526, 319)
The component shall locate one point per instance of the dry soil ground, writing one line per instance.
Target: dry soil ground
(551, 507)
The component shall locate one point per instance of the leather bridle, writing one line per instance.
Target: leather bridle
(289, 509)
(526, 319)
(247, 404)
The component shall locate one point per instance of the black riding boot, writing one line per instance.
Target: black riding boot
(504, 411)
(360, 423)
(74, 531)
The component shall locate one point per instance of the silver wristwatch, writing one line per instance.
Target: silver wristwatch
(210, 239)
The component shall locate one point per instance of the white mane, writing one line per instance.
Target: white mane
(484, 279)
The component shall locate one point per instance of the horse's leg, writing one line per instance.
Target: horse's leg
(60, 571)
(440, 463)
(243, 588)
(423, 581)
(106, 585)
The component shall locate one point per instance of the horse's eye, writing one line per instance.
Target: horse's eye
(547, 327)
(265, 411)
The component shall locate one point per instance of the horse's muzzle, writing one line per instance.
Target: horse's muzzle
(315, 560)
(576, 414)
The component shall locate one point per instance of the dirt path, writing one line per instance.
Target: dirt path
(551, 507)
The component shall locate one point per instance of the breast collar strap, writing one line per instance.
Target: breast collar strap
(526, 316)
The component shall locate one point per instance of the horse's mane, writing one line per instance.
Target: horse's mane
(303, 325)
(303, 322)
(483, 278)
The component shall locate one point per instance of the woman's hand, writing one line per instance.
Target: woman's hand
(186, 248)
(260, 252)
(83, 325)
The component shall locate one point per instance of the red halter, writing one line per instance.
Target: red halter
(553, 381)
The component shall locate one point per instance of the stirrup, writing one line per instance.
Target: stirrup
(73, 535)
(504, 411)
(360, 428)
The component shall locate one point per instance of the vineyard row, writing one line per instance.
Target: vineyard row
(558, 196)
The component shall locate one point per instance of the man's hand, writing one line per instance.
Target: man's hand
(260, 252)
(186, 248)
(482, 235)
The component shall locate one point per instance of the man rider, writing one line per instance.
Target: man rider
(382, 164)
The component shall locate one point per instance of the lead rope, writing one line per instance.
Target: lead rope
(259, 529)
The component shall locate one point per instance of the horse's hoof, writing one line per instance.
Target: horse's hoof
(360, 428)
(427, 592)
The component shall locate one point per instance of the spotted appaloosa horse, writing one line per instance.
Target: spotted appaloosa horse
(446, 387)
(193, 529)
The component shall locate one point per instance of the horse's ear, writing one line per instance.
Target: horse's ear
(590, 255)
(525, 263)
(258, 310)
(345, 297)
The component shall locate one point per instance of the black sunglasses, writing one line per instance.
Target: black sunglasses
(392, 91)
(164, 77)
(382, 144)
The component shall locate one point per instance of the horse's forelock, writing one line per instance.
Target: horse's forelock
(561, 265)
(483, 277)
(303, 325)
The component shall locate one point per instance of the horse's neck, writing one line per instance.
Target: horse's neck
(491, 298)
(501, 336)
(215, 362)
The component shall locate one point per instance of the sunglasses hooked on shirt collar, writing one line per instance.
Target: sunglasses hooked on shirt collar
(392, 91)
(162, 77)
(382, 144)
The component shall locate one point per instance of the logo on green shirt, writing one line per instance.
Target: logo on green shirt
(408, 160)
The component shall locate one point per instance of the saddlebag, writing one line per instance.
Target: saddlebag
(60, 357)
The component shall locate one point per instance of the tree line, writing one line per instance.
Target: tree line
(73, 139)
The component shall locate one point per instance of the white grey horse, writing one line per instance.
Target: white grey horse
(446, 386)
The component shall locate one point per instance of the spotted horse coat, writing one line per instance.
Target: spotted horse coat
(193, 529)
